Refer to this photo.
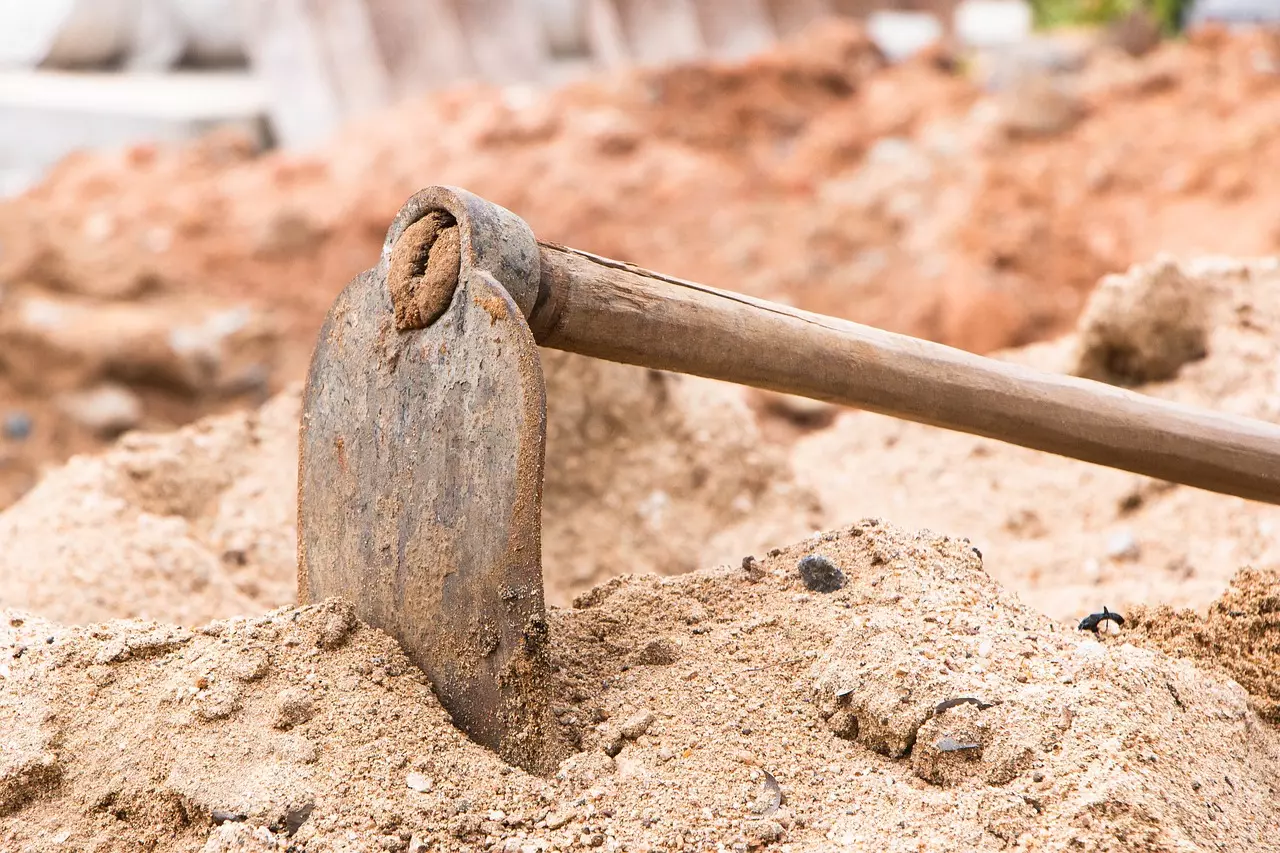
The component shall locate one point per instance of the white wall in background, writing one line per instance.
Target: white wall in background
(149, 35)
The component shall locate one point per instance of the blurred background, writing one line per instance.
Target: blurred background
(185, 184)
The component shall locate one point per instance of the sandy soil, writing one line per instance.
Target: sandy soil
(657, 472)
(684, 694)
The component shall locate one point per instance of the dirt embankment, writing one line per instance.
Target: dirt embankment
(903, 196)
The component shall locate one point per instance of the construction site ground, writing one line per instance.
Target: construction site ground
(715, 702)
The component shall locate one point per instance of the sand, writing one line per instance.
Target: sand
(1067, 536)
(683, 692)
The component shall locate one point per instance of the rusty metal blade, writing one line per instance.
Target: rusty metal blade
(420, 485)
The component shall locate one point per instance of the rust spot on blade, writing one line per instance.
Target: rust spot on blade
(492, 305)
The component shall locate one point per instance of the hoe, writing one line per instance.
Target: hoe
(424, 424)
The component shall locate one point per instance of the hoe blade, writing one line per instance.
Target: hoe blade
(420, 492)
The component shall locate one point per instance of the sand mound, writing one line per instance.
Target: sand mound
(1142, 327)
(185, 526)
(1071, 537)
(650, 471)
(684, 693)
(656, 472)
(1239, 634)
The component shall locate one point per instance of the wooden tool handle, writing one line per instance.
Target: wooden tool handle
(614, 311)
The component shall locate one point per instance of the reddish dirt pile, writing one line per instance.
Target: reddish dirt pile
(901, 196)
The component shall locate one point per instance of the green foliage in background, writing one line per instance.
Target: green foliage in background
(1056, 13)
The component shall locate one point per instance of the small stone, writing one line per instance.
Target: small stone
(294, 817)
(754, 571)
(417, 844)
(555, 820)
(250, 665)
(418, 782)
(107, 409)
(637, 724)
(219, 702)
(293, 708)
(17, 426)
(337, 626)
(820, 574)
(659, 652)
(611, 742)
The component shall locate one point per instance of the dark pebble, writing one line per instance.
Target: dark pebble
(220, 817)
(820, 575)
(293, 818)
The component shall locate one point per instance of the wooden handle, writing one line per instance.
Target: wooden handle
(614, 311)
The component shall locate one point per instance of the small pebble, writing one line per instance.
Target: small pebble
(418, 782)
(950, 744)
(611, 742)
(637, 724)
(820, 574)
(295, 817)
(293, 708)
